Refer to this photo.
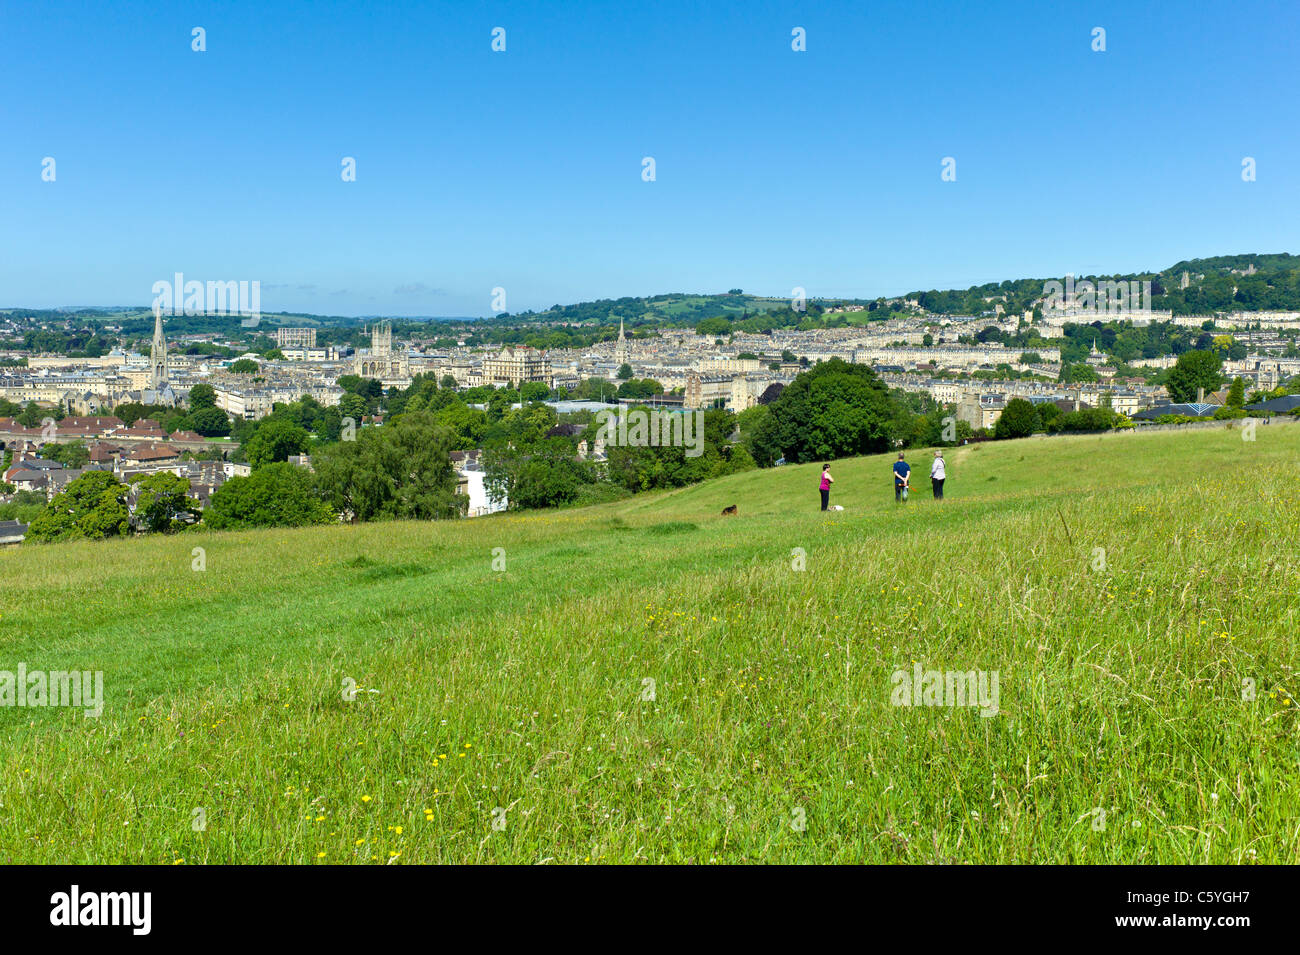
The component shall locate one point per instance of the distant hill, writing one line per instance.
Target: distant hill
(1226, 283)
(1218, 284)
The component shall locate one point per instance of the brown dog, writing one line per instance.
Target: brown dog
(730, 511)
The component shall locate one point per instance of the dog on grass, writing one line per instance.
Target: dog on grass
(730, 511)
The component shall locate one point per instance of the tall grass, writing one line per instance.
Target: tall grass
(649, 681)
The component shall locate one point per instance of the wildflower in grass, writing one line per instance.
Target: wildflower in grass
(320, 855)
(365, 799)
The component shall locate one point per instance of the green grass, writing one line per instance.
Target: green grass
(477, 688)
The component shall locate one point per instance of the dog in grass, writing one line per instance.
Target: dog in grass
(730, 511)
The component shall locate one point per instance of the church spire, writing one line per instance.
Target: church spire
(158, 353)
(620, 353)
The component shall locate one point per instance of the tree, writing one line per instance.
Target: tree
(163, 496)
(1237, 393)
(93, 506)
(1044, 413)
(713, 326)
(1017, 420)
(278, 495)
(1194, 370)
(1086, 419)
(244, 366)
(533, 391)
(353, 406)
(132, 411)
(402, 470)
(624, 372)
(274, 441)
(71, 455)
(547, 475)
(211, 422)
(177, 421)
(1077, 372)
(31, 416)
(833, 410)
(202, 395)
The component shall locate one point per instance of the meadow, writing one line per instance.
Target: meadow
(648, 681)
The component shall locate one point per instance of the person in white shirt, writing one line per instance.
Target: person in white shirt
(937, 475)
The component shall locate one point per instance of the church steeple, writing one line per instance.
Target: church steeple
(158, 353)
(620, 353)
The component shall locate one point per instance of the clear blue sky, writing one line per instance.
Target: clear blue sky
(522, 169)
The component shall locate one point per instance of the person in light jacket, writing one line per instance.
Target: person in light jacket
(937, 475)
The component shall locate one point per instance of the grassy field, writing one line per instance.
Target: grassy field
(506, 713)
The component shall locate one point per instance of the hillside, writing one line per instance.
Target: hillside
(1218, 283)
(478, 688)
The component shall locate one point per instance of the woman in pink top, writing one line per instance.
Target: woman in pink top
(825, 488)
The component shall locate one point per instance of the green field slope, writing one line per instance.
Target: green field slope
(650, 681)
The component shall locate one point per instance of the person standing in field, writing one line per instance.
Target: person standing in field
(825, 487)
(902, 474)
(937, 475)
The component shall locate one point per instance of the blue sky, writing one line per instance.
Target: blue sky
(774, 168)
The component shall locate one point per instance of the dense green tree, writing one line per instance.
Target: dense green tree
(1086, 419)
(546, 475)
(32, 416)
(93, 506)
(202, 395)
(277, 495)
(244, 366)
(713, 326)
(211, 422)
(274, 441)
(1194, 370)
(833, 410)
(533, 391)
(132, 411)
(402, 470)
(1044, 413)
(353, 406)
(1078, 372)
(1237, 393)
(1018, 420)
(162, 497)
(71, 455)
